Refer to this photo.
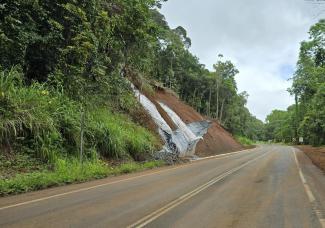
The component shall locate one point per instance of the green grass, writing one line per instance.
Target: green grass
(244, 141)
(115, 136)
(40, 137)
(69, 171)
(46, 122)
(36, 118)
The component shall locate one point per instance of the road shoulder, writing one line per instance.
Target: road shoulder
(315, 179)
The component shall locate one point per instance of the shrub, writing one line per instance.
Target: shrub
(33, 116)
(244, 141)
(114, 135)
(47, 123)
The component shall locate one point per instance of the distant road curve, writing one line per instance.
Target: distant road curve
(270, 186)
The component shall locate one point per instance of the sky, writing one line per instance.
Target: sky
(261, 37)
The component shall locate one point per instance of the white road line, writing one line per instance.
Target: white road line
(106, 184)
(309, 193)
(156, 214)
(222, 155)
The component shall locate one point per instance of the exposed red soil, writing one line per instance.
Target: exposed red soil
(216, 141)
(161, 111)
(316, 154)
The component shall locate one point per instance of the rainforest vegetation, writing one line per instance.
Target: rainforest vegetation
(306, 118)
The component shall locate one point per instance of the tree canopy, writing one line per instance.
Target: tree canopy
(307, 117)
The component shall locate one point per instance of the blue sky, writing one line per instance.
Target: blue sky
(261, 37)
(286, 71)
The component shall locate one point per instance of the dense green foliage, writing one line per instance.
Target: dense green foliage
(279, 125)
(43, 121)
(307, 117)
(245, 141)
(61, 58)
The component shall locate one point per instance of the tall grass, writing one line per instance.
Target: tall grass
(47, 123)
(245, 141)
(114, 135)
(31, 116)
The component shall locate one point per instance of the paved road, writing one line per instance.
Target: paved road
(270, 186)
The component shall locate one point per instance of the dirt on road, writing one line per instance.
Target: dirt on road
(316, 154)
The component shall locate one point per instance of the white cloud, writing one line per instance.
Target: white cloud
(265, 95)
(261, 37)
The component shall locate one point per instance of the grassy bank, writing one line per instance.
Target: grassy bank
(245, 141)
(40, 128)
(69, 171)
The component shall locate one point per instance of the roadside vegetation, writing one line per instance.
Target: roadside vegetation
(245, 141)
(306, 118)
(40, 136)
(66, 171)
(65, 68)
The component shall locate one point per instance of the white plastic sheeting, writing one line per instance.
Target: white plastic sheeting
(200, 128)
(153, 111)
(181, 142)
(190, 136)
(183, 137)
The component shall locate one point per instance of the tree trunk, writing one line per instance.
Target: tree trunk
(221, 111)
(217, 112)
(193, 99)
(201, 98)
(209, 107)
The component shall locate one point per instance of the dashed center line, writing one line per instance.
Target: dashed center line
(156, 214)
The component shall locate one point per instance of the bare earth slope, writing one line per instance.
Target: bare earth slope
(216, 141)
(316, 154)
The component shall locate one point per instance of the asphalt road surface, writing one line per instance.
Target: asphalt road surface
(270, 186)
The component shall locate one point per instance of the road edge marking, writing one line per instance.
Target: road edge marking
(308, 191)
(224, 155)
(163, 210)
(113, 182)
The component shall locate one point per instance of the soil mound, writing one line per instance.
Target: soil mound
(316, 155)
